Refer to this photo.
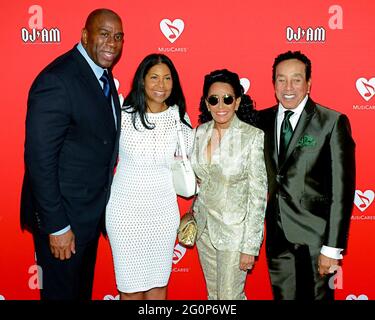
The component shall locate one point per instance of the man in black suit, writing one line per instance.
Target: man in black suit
(71, 146)
(310, 160)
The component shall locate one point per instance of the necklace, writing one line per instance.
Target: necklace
(159, 109)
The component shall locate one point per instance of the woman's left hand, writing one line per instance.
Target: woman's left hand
(246, 262)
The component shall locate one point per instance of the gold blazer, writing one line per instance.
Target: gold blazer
(233, 187)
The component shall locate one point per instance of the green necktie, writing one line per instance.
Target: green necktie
(285, 135)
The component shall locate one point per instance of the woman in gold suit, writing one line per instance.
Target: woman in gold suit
(229, 162)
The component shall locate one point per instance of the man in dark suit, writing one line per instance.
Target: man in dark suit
(310, 160)
(71, 146)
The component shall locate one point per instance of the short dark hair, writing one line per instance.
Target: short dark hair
(245, 110)
(135, 101)
(98, 12)
(292, 55)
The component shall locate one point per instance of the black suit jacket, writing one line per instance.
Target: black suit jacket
(313, 189)
(71, 148)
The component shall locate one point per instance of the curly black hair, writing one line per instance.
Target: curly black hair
(292, 55)
(246, 110)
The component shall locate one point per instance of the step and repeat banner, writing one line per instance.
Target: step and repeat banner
(199, 36)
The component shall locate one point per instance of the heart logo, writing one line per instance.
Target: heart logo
(111, 297)
(366, 88)
(245, 83)
(120, 96)
(178, 253)
(363, 199)
(354, 297)
(172, 30)
(117, 83)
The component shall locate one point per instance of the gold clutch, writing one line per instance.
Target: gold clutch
(188, 229)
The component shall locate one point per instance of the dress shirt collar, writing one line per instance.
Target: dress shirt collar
(294, 117)
(98, 71)
(297, 111)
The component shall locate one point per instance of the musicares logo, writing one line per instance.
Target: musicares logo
(245, 84)
(366, 88)
(111, 297)
(363, 199)
(354, 297)
(178, 253)
(120, 96)
(172, 30)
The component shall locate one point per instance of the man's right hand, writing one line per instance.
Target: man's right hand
(62, 246)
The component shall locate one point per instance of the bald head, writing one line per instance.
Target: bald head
(100, 12)
(102, 37)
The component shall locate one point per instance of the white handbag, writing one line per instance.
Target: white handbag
(184, 181)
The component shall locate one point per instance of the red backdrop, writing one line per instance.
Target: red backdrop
(243, 36)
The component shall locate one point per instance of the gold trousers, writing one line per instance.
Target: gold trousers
(224, 279)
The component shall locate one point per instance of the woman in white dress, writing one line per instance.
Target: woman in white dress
(142, 215)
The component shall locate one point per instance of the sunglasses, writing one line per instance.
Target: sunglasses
(214, 99)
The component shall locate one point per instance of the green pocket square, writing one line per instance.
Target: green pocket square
(306, 141)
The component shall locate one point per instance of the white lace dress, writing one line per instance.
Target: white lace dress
(142, 215)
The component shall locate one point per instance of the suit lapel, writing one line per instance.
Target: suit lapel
(271, 137)
(102, 109)
(303, 121)
(117, 105)
(116, 100)
(206, 138)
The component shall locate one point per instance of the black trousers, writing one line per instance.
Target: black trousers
(70, 279)
(293, 270)
(294, 276)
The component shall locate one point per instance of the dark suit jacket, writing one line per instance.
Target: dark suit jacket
(71, 148)
(313, 189)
